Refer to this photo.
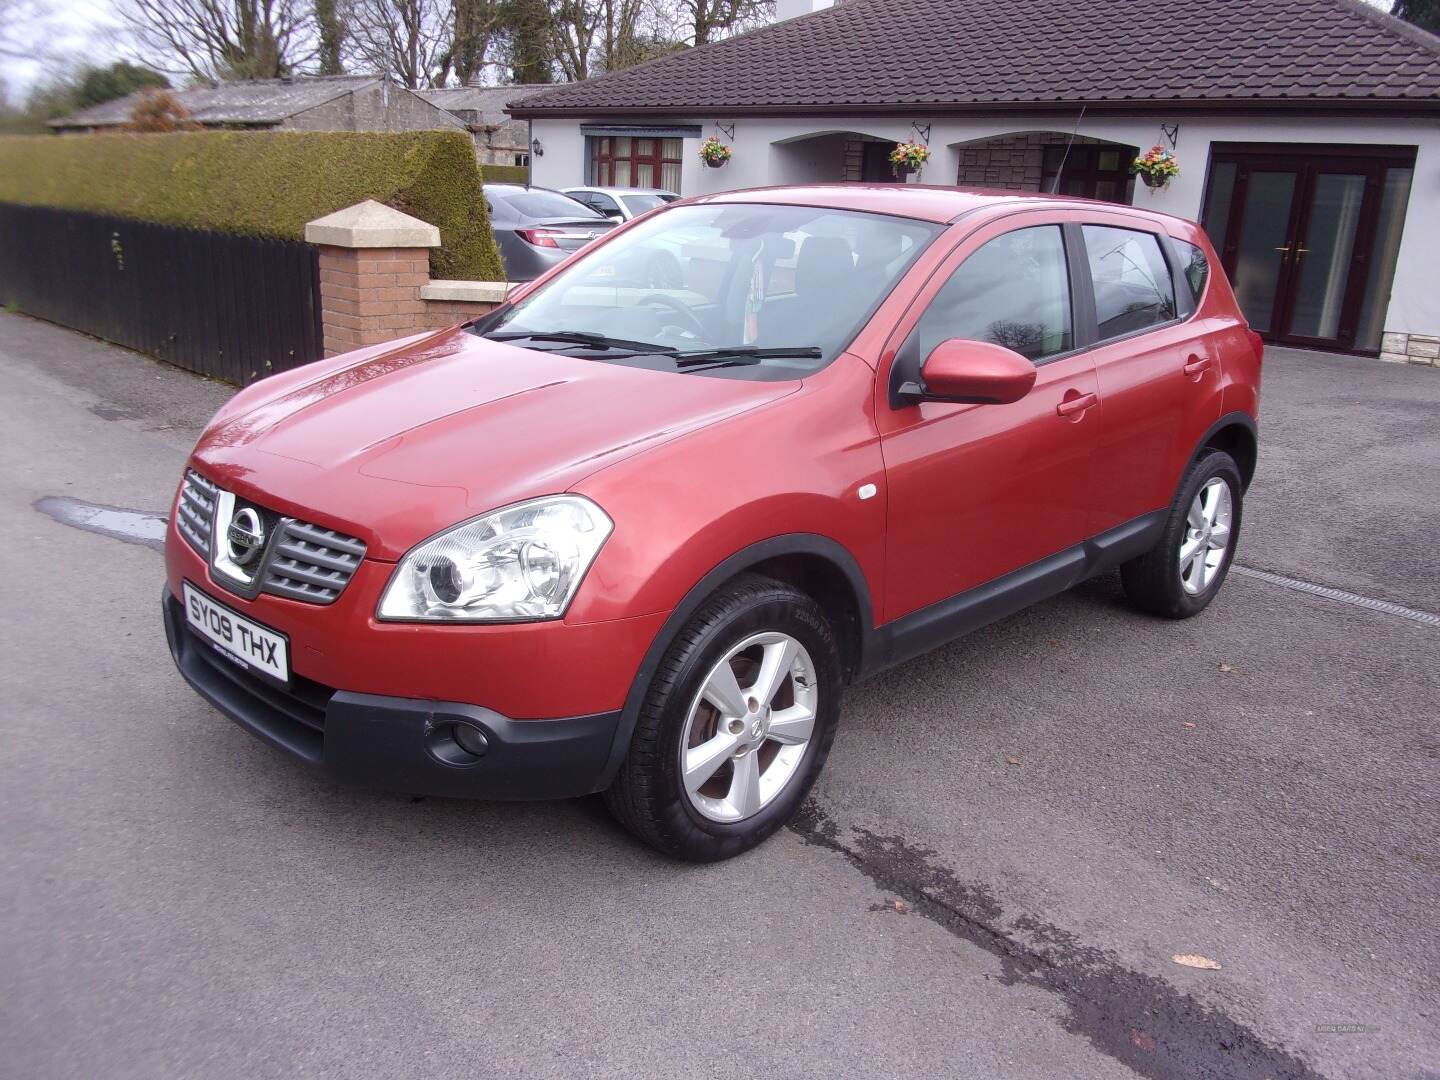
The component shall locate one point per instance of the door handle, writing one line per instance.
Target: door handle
(1074, 406)
(1197, 366)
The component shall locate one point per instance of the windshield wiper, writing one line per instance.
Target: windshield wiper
(582, 337)
(746, 352)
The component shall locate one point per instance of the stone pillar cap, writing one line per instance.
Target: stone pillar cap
(371, 225)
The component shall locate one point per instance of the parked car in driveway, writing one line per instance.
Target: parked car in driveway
(536, 228)
(621, 203)
(614, 538)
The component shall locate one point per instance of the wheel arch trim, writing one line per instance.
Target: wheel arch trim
(807, 544)
(1241, 420)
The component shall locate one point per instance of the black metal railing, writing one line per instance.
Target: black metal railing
(236, 308)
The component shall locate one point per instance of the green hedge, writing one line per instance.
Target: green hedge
(505, 174)
(263, 183)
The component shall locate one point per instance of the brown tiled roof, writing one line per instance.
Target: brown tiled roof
(959, 55)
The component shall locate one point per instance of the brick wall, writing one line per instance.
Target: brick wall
(1011, 162)
(372, 295)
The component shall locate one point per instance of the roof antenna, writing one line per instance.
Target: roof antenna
(1055, 184)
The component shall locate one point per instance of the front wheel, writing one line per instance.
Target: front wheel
(1181, 575)
(736, 726)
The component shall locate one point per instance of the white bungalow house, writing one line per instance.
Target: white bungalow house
(1307, 131)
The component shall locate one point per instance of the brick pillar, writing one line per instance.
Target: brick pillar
(373, 263)
(375, 279)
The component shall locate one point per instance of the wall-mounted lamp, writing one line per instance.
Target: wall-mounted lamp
(537, 148)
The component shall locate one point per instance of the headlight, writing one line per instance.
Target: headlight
(517, 564)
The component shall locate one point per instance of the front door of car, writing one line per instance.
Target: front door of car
(1158, 374)
(977, 491)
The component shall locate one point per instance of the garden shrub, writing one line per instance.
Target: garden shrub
(505, 174)
(267, 183)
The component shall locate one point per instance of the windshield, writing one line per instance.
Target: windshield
(639, 204)
(543, 204)
(695, 281)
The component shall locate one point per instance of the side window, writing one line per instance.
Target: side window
(1133, 289)
(1196, 267)
(604, 203)
(1013, 291)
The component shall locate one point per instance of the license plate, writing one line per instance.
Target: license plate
(242, 640)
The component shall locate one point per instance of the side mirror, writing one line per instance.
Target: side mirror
(619, 219)
(972, 373)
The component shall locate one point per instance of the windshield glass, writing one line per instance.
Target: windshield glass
(742, 276)
(639, 204)
(544, 204)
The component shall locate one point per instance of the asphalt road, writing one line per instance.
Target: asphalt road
(1060, 803)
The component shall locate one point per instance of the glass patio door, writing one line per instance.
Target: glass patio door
(1309, 240)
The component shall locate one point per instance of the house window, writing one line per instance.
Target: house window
(522, 159)
(633, 161)
(1092, 172)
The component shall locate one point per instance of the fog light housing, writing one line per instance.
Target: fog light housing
(456, 742)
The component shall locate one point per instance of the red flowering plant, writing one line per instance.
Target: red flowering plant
(908, 156)
(1157, 167)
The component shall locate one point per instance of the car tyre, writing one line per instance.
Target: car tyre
(753, 627)
(1181, 574)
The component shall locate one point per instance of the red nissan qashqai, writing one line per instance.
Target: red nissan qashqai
(636, 530)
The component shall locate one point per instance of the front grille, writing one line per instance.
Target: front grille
(301, 561)
(311, 563)
(196, 511)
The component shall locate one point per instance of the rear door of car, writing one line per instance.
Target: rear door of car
(1158, 376)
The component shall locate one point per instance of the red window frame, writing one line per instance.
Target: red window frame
(603, 156)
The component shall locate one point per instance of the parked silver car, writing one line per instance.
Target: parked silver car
(536, 228)
(621, 203)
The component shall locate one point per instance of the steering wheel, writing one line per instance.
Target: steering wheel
(689, 321)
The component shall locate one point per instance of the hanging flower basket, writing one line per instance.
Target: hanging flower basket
(714, 153)
(907, 157)
(1156, 167)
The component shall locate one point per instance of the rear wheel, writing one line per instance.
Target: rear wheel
(1181, 575)
(737, 724)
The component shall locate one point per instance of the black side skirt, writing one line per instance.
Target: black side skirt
(931, 627)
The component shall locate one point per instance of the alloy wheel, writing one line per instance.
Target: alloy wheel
(1207, 536)
(748, 727)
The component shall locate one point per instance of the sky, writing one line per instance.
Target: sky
(51, 31)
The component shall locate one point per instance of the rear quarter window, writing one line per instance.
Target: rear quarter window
(1194, 266)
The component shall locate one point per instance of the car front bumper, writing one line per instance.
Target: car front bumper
(396, 743)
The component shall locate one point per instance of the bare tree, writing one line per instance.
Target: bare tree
(475, 24)
(588, 37)
(711, 20)
(223, 39)
(574, 25)
(408, 40)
